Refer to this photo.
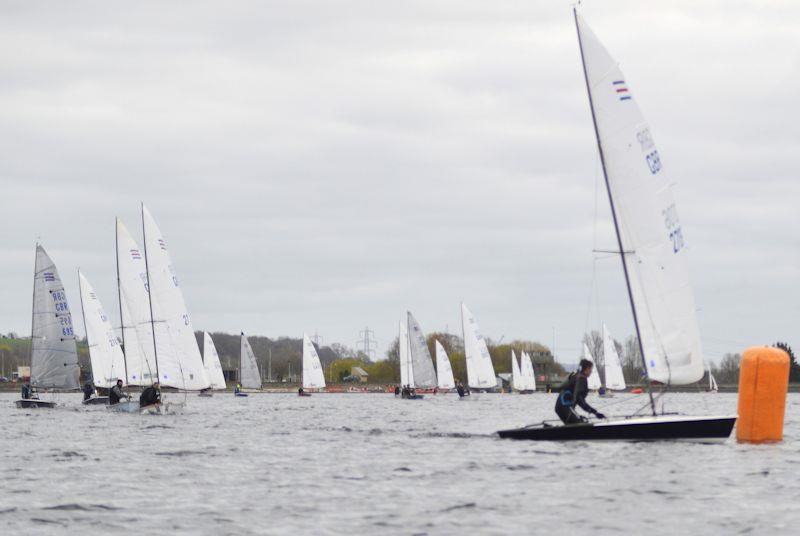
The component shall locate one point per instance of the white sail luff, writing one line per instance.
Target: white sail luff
(648, 224)
(54, 355)
(105, 353)
(615, 380)
(444, 369)
(313, 377)
(249, 375)
(212, 364)
(517, 381)
(480, 370)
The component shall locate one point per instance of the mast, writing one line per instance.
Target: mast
(119, 299)
(464, 340)
(149, 296)
(33, 306)
(614, 217)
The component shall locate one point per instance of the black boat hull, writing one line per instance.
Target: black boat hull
(30, 403)
(660, 428)
(96, 401)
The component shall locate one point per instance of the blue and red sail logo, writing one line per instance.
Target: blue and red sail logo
(621, 89)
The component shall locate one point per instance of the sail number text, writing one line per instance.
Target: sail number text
(645, 140)
(673, 225)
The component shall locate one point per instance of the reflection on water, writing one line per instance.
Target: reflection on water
(366, 464)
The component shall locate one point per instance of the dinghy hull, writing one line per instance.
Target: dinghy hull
(659, 428)
(96, 401)
(30, 403)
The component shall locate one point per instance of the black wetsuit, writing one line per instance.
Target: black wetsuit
(573, 393)
(88, 391)
(115, 395)
(149, 397)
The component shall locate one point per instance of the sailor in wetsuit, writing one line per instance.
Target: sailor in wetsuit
(116, 394)
(150, 396)
(88, 391)
(573, 393)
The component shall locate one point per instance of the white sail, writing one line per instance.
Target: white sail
(421, 362)
(137, 332)
(179, 361)
(444, 370)
(406, 377)
(650, 229)
(54, 356)
(517, 381)
(615, 380)
(526, 367)
(712, 381)
(594, 377)
(313, 377)
(105, 353)
(211, 362)
(480, 371)
(249, 375)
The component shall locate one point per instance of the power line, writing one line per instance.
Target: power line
(366, 342)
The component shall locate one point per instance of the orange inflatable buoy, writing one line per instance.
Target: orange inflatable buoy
(763, 382)
(637, 391)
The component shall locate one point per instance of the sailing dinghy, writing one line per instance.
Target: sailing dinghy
(444, 370)
(54, 355)
(593, 382)
(212, 365)
(480, 370)
(615, 380)
(105, 354)
(517, 381)
(249, 374)
(652, 250)
(313, 377)
(527, 373)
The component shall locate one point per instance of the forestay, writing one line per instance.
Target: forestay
(594, 377)
(517, 381)
(54, 356)
(649, 227)
(137, 333)
(528, 374)
(105, 353)
(480, 371)
(421, 362)
(444, 370)
(406, 378)
(211, 362)
(313, 377)
(615, 380)
(249, 376)
(179, 361)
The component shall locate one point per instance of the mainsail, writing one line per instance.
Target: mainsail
(526, 367)
(54, 356)
(517, 382)
(480, 371)
(444, 370)
(105, 353)
(615, 380)
(406, 378)
(594, 377)
(650, 234)
(421, 363)
(211, 362)
(313, 377)
(249, 376)
(137, 332)
(179, 361)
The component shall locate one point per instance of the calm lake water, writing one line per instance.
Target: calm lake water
(370, 464)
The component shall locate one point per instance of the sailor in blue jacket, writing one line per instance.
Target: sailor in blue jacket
(573, 393)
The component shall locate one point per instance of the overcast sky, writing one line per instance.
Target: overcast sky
(324, 166)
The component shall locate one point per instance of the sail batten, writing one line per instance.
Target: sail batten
(647, 222)
(54, 355)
